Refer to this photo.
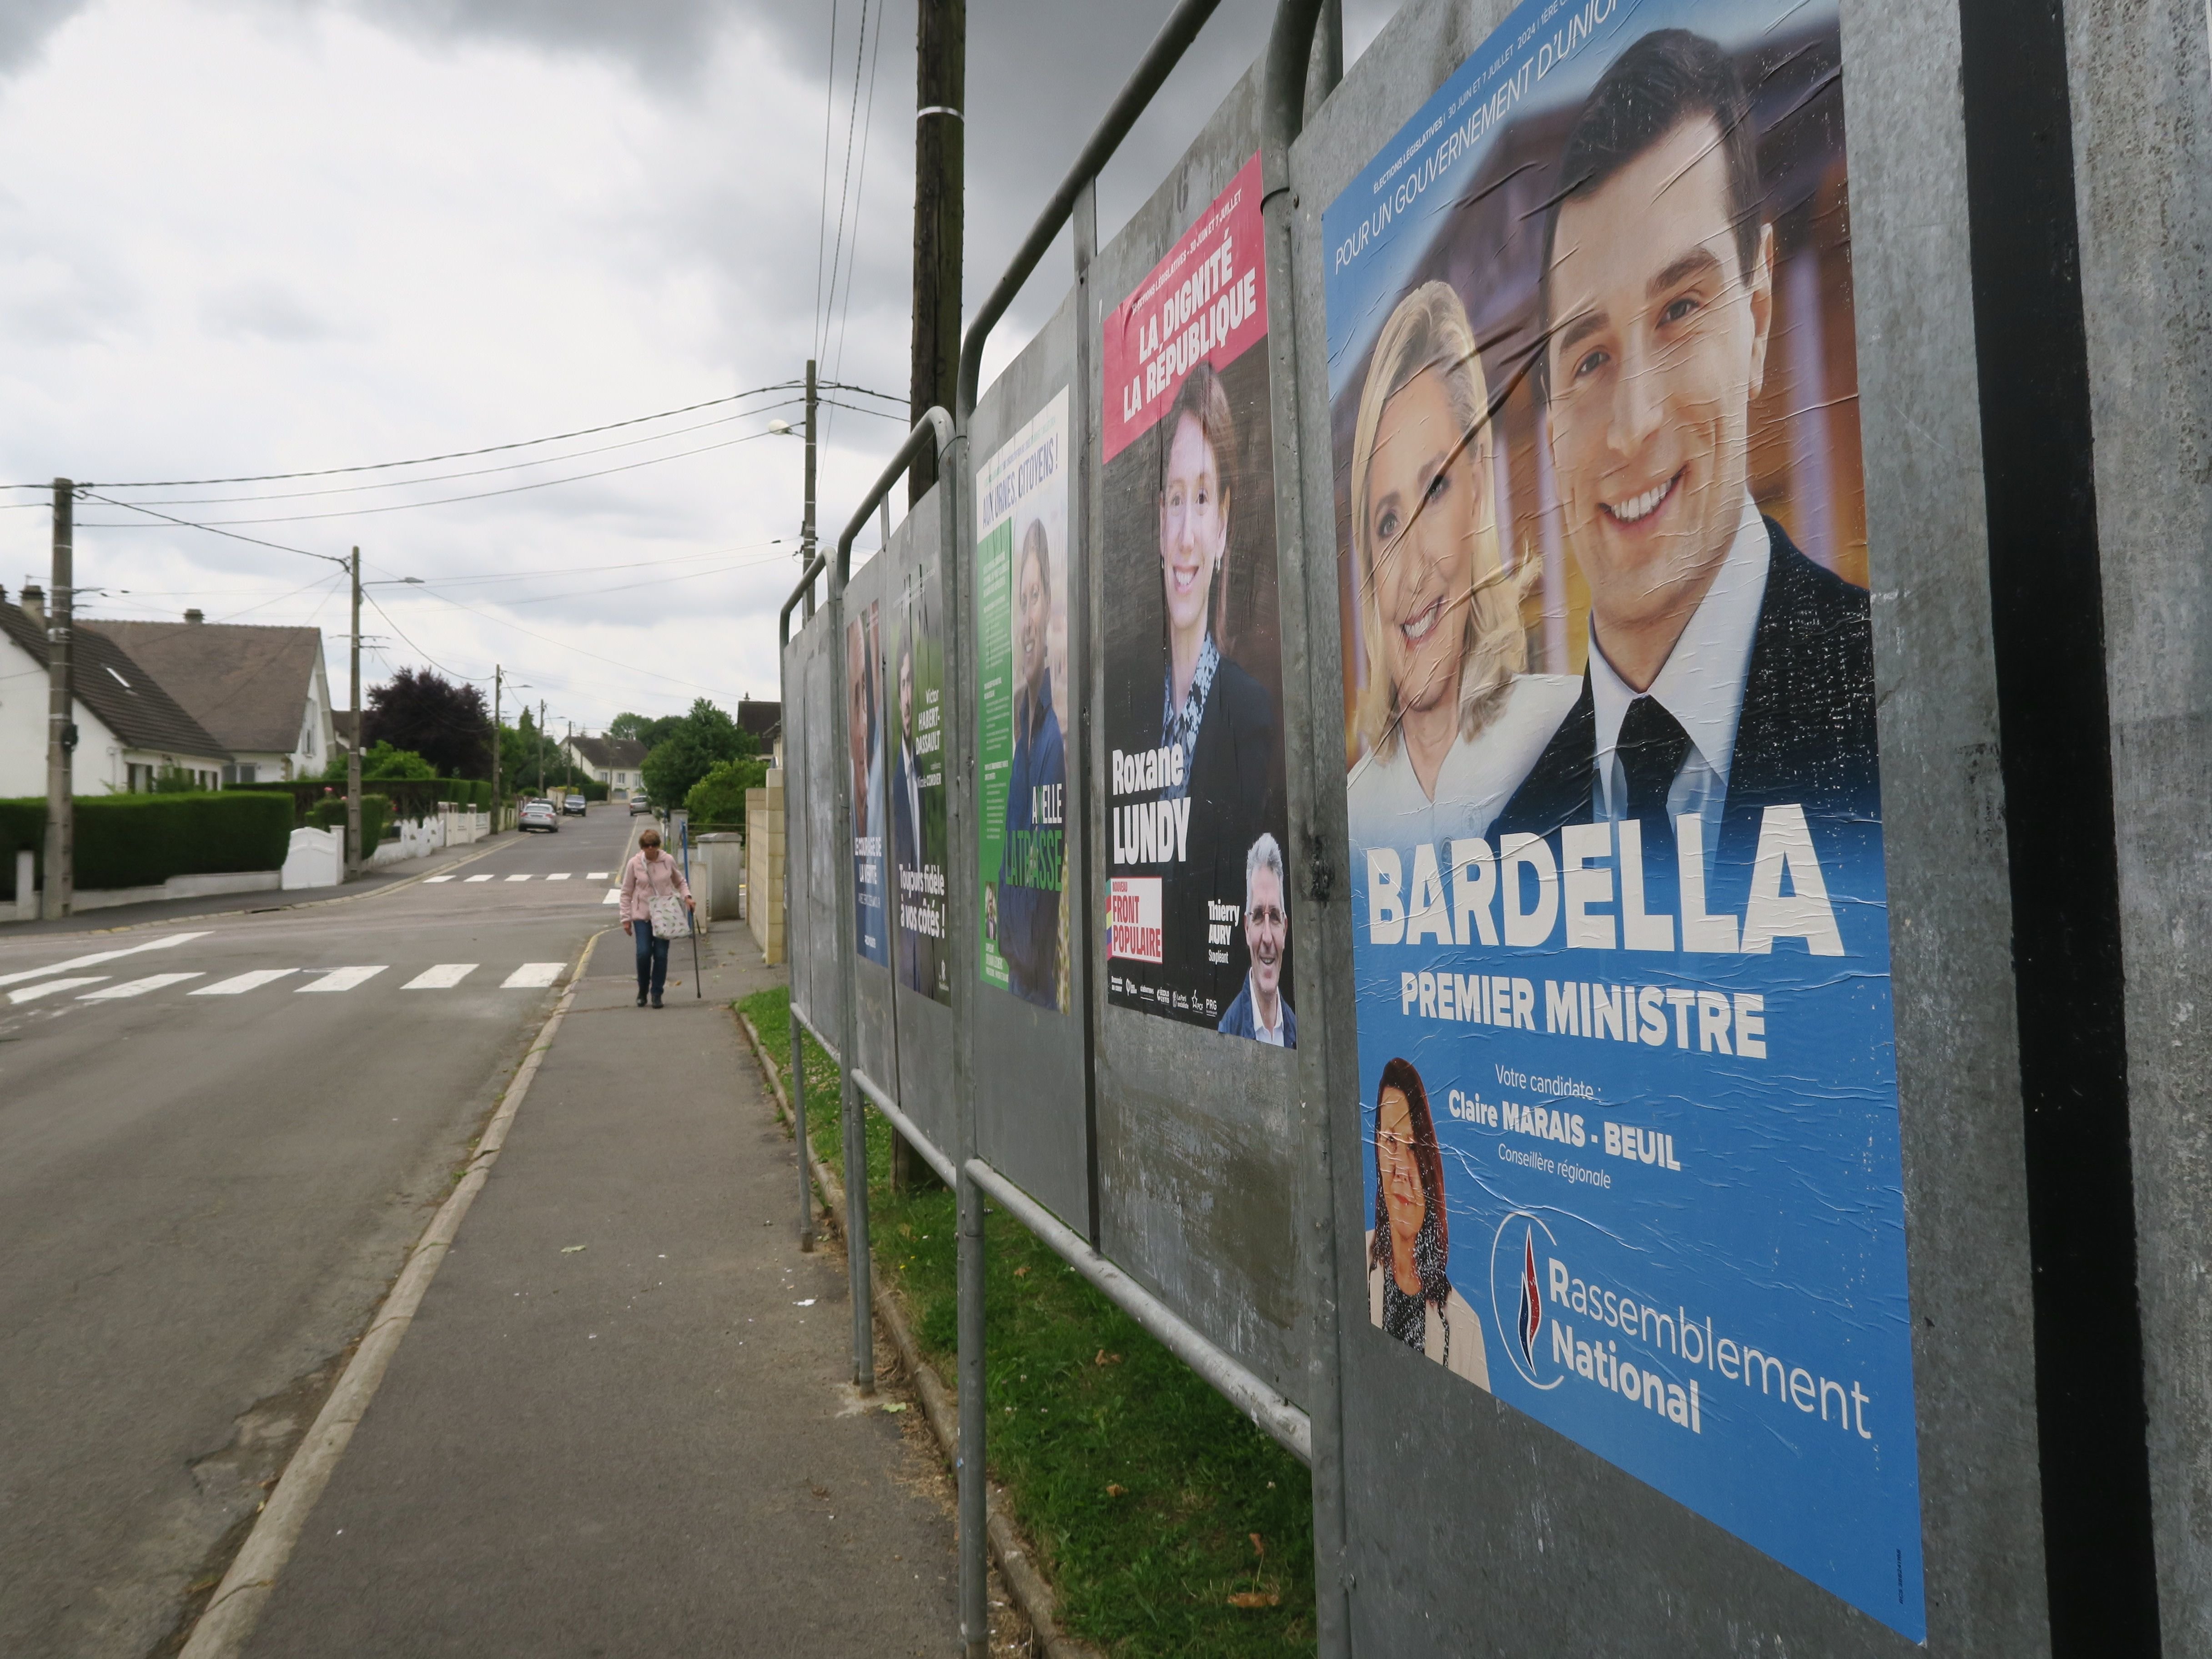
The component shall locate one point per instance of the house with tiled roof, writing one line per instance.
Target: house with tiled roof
(129, 729)
(261, 692)
(618, 763)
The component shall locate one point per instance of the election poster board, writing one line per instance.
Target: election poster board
(1026, 701)
(864, 744)
(916, 710)
(1195, 812)
(1627, 1068)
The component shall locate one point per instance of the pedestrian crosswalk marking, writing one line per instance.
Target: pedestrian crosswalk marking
(561, 875)
(32, 992)
(239, 984)
(98, 956)
(614, 895)
(339, 978)
(480, 878)
(432, 881)
(443, 977)
(524, 876)
(136, 987)
(534, 975)
(598, 875)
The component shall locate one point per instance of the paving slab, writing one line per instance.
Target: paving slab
(620, 1423)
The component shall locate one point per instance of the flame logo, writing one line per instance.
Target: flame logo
(1532, 1299)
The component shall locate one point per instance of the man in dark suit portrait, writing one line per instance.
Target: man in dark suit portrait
(1727, 672)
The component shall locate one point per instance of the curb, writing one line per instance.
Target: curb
(230, 1616)
(940, 1404)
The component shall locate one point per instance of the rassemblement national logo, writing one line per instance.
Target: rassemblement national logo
(1513, 1253)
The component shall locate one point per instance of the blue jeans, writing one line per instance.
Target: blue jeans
(652, 958)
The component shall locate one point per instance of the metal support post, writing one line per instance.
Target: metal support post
(793, 765)
(61, 709)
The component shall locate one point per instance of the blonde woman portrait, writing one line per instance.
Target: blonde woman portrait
(1448, 722)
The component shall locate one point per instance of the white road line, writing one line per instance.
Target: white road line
(443, 977)
(561, 876)
(432, 881)
(480, 878)
(614, 896)
(239, 984)
(598, 875)
(32, 993)
(96, 956)
(339, 978)
(137, 988)
(521, 877)
(533, 976)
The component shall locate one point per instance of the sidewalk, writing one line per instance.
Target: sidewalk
(644, 1446)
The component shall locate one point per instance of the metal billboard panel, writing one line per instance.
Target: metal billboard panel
(917, 714)
(1200, 1181)
(864, 748)
(1432, 1567)
(817, 911)
(1030, 1089)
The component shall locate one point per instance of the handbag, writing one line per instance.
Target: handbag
(670, 917)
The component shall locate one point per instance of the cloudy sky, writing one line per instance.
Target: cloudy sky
(250, 237)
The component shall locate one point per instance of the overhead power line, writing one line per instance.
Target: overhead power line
(425, 460)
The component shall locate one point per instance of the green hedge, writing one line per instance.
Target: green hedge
(375, 817)
(141, 841)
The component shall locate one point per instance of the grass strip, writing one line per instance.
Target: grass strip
(1150, 1500)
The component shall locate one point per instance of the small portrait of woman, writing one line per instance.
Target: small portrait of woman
(1447, 724)
(1409, 1289)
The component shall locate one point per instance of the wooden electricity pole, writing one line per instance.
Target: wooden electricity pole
(940, 174)
(498, 675)
(353, 857)
(61, 710)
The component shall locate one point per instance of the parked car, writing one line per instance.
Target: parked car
(638, 803)
(538, 815)
(573, 805)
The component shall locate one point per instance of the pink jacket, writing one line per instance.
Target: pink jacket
(640, 881)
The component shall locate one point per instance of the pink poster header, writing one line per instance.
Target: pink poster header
(1207, 302)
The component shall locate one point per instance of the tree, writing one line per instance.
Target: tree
(719, 798)
(446, 724)
(650, 732)
(701, 739)
(382, 761)
(521, 746)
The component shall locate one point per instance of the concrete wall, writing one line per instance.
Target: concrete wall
(764, 866)
(2141, 99)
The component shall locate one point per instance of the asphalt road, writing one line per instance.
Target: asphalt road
(206, 1184)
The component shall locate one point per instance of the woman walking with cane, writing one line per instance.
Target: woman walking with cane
(656, 906)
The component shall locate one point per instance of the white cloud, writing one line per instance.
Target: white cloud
(267, 235)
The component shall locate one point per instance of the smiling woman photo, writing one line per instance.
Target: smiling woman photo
(1409, 1289)
(1448, 723)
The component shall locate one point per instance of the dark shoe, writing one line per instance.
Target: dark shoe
(640, 999)
(656, 1002)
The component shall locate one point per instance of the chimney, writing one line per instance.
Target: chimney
(194, 615)
(34, 602)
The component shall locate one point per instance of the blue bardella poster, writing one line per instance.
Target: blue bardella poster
(1627, 1070)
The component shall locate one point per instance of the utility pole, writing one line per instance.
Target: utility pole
(61, 706)
(498, 675)
(806, 524)
(352, 749)
(940, 172)
(541, 747)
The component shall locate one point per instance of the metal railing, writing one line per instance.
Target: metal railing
(1289, 52)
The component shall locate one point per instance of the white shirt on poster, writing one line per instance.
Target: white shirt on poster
(1701, 685)
(1389, 808)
